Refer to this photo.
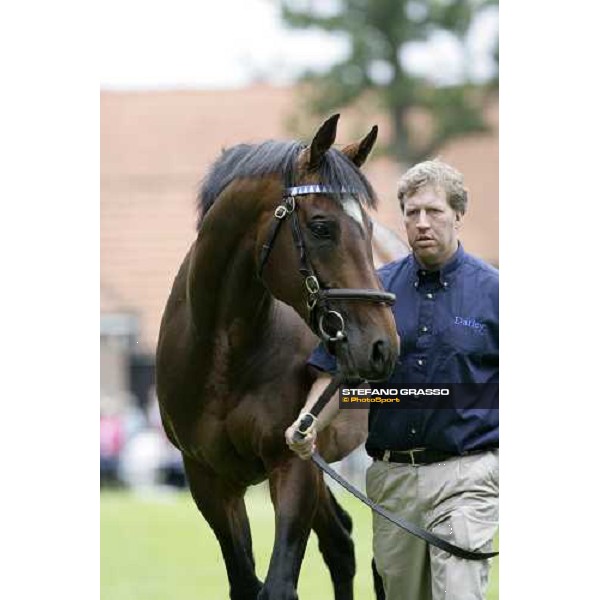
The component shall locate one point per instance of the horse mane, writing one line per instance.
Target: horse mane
(272, 157)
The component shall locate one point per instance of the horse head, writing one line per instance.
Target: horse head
(321, 262)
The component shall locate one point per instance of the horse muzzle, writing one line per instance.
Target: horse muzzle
(373, 360)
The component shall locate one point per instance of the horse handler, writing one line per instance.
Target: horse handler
(437, 468)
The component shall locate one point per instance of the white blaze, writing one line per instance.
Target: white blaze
(352, 208)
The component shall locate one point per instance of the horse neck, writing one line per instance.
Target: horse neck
(387, 245)
(230, 305)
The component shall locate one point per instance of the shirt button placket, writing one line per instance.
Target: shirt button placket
(424, 329)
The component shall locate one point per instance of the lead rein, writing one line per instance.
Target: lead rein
(308, 420)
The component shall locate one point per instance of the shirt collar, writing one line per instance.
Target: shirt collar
(443, 275)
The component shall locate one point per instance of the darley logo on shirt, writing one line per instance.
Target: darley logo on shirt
(473, 324)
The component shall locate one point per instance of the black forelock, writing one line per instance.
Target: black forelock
(280, 158)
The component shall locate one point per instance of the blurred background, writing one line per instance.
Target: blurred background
(182, 80)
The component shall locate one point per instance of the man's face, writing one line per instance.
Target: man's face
(432, 226)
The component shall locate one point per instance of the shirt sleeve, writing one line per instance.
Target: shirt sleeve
(322, 360)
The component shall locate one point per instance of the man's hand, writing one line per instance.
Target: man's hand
(304, 447)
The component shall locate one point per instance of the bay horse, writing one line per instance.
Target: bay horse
(237, 330)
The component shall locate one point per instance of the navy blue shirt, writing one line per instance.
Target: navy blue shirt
(448, 326)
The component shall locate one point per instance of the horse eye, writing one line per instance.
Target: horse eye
(320, 229)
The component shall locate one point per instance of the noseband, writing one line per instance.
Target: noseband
(328, 324)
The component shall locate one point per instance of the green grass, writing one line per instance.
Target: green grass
(159, 547)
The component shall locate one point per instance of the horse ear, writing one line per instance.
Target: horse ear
(322, 141)
(359, 152)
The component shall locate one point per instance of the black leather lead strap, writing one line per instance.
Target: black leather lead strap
(308, 421)
(327, 393)
(419, 532)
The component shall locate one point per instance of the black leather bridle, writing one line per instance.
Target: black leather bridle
(321, 315)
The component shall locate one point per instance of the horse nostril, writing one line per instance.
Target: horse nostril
(380, 354)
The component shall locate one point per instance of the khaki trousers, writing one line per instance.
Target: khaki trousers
(457, 500)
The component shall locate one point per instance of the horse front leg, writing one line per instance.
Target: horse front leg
(333, 527)
(225, 511)
(294, 493)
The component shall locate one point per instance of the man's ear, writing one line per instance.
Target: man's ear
(458, 220)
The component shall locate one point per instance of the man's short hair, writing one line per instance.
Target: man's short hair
(437, 174)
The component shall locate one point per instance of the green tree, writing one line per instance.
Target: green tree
(378, 32)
